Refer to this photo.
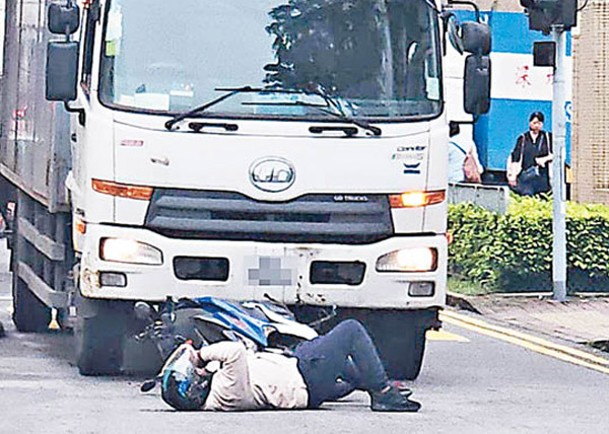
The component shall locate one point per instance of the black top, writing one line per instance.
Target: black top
(532, 150)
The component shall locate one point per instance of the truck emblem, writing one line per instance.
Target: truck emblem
(272, 174)
(412, 169)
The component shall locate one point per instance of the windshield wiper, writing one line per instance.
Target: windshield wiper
(323, 108)
(230, 92)
(199, 109)
(331, 102)
(334, 102)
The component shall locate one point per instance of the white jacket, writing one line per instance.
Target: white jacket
(248, 380)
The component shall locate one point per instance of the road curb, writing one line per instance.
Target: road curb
(534, 343)
(467, 302)
(461, 302)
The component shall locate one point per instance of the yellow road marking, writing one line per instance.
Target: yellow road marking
(441, 335)
(532, 343)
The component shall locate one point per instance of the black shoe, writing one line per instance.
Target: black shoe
(392, 400)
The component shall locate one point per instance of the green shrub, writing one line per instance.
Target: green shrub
(513, 252)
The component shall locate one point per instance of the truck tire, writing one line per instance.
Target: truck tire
(99, 344)
(400, 340)
(29, 313)
(403, 357)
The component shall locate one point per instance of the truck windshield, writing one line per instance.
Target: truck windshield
(378, 58)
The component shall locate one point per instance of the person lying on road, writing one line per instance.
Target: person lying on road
(324, 369)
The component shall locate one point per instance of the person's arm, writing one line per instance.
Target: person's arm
(474, 151)
(231, 355)
(517, 151)
(514, 157)
(232, 379)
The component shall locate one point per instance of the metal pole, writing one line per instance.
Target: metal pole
(559, 246)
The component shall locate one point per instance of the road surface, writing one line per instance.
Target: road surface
(470, 383)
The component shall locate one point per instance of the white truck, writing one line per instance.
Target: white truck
(285, 149)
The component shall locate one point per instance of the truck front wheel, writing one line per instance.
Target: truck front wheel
(400, 339)
(99, 344)
(403, 356)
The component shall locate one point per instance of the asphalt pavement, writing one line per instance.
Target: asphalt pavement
(473, 381)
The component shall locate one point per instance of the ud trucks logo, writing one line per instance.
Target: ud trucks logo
(272, 174)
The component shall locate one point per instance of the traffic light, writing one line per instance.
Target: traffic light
(543, 14)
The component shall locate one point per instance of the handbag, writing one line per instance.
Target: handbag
(530, 174)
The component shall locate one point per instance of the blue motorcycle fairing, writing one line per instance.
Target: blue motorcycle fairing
(249, 323)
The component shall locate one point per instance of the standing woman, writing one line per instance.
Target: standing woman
(528, 171)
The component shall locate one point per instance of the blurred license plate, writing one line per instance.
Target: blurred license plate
(271, 270)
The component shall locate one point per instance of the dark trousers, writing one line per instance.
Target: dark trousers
(339, 362)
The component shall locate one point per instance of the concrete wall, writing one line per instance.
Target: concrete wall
(591, 100)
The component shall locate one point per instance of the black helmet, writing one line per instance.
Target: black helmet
(182, 386)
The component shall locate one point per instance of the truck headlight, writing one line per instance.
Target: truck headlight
(129, 252)
(418, 259)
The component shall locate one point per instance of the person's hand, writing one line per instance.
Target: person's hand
(542, 161)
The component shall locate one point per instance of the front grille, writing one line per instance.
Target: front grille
(232, 216)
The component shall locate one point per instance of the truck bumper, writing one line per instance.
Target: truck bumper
(287, 267)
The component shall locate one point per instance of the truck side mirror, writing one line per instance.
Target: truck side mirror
(63, 19)
(477, 85)
(476, 38)
(62, 71)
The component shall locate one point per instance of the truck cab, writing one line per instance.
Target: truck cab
(276, 149)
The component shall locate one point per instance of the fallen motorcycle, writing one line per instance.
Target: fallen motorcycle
(261, 325)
